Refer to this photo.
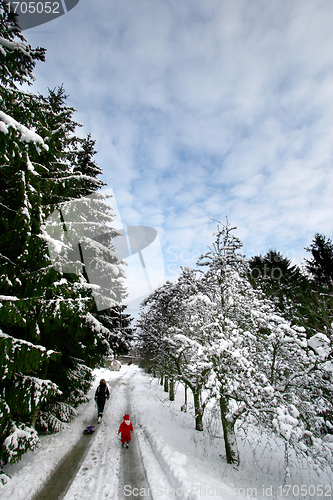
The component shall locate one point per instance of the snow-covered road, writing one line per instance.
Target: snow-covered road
(167, 458)
(132, 477)
(97, 477)
(62, 476)
(108, 468)
(63, 468)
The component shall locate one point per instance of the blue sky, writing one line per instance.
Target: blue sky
(202, 108)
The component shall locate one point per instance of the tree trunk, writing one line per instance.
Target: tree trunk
(166, 384)
(172, 389)
(162, 379)
(34, 417)
(184, 407)
(286, 464)
(229, 435)
(198, 411)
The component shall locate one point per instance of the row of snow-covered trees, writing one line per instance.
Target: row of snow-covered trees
(229, 331)
(51, 332)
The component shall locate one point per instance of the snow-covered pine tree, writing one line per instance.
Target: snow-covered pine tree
(40, 170)
(21, 393)
(319, 314)
(80, 242)
(71, 171)
(18, 59)
(85, 163)
(120, 327)
(152, 326)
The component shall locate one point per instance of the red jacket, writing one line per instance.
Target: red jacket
(125, 428)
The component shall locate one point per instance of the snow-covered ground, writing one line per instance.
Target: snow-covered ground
(180, 462)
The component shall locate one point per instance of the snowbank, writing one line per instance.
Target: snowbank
(194, 463)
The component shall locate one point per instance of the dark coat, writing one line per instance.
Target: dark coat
(102, 392)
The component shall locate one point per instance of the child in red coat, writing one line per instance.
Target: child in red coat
(125, 428)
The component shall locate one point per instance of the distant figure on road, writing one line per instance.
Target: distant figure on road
(125, 428)
(102, 393)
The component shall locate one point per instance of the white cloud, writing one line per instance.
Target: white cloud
(202, 108)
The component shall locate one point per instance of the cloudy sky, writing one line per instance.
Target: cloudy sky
(202, 109)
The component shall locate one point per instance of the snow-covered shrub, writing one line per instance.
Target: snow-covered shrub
(55, 416)
(21, 395)
(20, 438)
(30, 392)
(212, 421)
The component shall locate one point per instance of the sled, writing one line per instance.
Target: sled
(89, 430)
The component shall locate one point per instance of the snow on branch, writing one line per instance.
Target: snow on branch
(27, 135)
(57, 244)
(17, 342)
(20, 439)
(14, 46)
(97, 325)
(36, 390)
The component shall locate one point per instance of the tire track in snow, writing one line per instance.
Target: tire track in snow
(155, 483)
(160, 478)
(59, 481)
(97, 478)
(82, 471)
(56, 486)
(160, 486)
(133, 482)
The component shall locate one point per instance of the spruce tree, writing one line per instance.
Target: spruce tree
(46, 301)
(119, 325)
(320, 273)
(283, 283)
(320, 266)
(22, 391)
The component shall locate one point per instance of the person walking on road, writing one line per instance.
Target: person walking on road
(101, 395)
(125, 428)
